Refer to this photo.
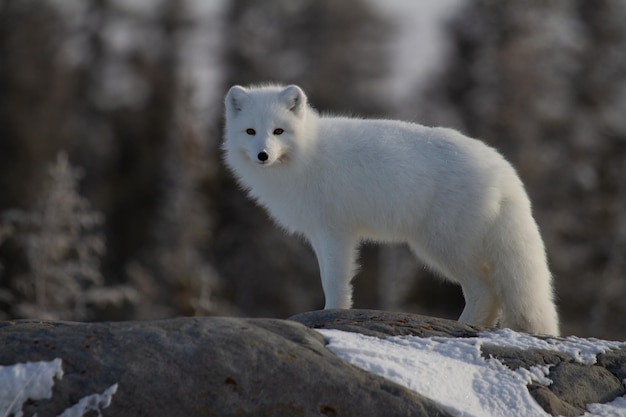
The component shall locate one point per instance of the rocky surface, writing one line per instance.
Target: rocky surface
(264, 367)
(204, 367)
(574, 385)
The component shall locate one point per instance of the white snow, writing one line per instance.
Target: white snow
(616, 408)
(31, 380)
(93, 402)
(34, 380)
(453, 373)
(582, 350)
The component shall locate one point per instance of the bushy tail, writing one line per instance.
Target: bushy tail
(520, 271)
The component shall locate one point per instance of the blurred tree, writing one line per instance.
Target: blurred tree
(151, 151)
(129, 91)
(183, 230)
(31, 35)
(545, 82)
(102, 79)
(63, 247)
(335, 50)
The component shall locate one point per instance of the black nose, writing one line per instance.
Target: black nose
(263, 156)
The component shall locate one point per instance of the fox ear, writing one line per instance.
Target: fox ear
(294, 99)
(235, 99)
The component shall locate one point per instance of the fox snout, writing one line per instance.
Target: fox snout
(263, 157)
(267, 154)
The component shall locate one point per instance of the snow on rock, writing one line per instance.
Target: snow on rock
(412, 365)
(582, 350)
(616, 408)
(454, 373)
(93, 402)
(34, 381)
(24, 381)
(451, 372)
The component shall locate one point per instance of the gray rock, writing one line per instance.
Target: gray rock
(553, 404)
(384, 323)
(204, 367)
(614, 362)
(579, 385)
(262, 367)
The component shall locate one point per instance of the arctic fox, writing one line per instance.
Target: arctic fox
(456, 202)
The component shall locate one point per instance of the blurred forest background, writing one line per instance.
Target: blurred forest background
(114, 204)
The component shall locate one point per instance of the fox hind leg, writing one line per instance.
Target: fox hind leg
(483, 306)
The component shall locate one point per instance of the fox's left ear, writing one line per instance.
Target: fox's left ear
(294, 99)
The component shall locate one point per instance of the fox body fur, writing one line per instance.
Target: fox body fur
(457, 203)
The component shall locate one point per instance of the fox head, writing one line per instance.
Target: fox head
(264, 124)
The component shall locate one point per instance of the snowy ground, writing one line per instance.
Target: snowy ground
(453, 373)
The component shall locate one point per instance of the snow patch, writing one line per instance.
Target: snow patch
(34, 381)
(24, 381)
(453, 372)
(582, 350)
(616, 408)
(94, 402)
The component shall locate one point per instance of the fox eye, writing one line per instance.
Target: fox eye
(251, 132)
(278, 131)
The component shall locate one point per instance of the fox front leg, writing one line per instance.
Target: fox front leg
(336, 257)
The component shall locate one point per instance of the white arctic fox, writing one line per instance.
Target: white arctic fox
(457, 202)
